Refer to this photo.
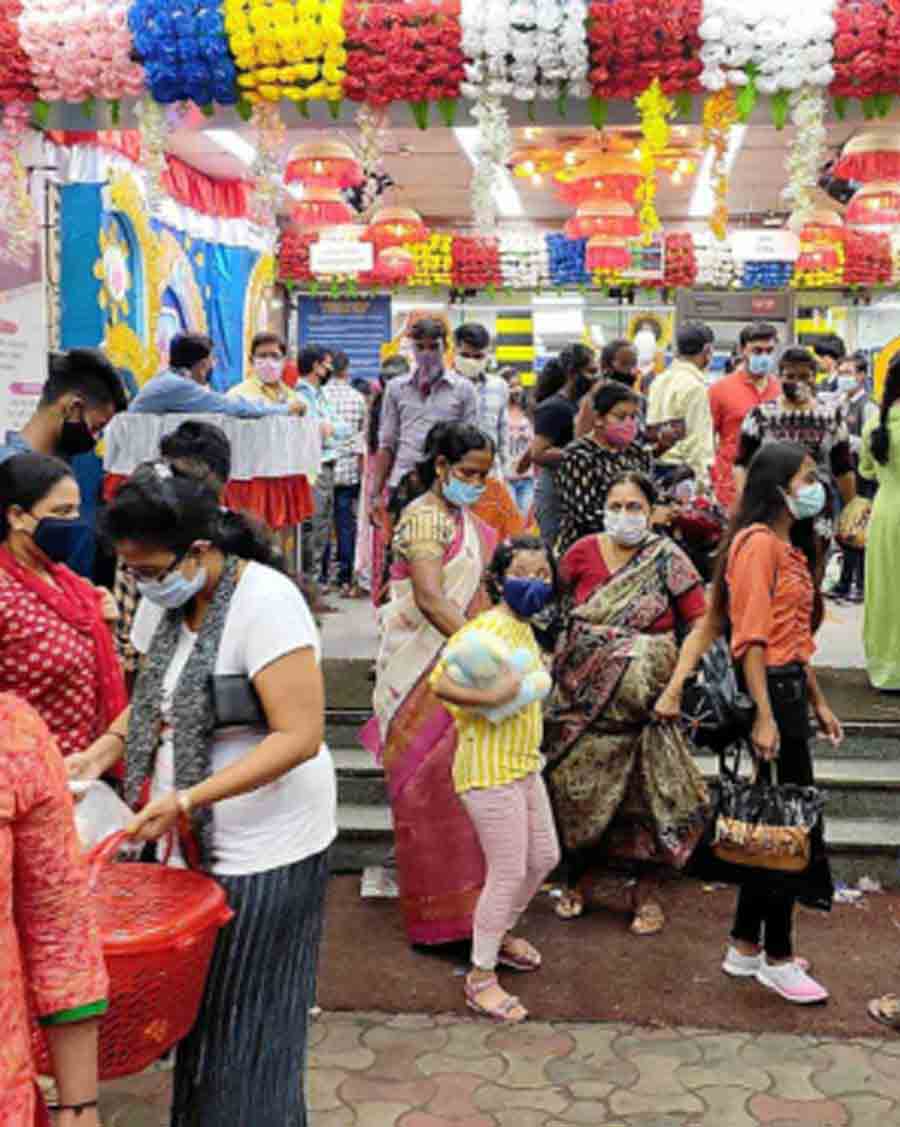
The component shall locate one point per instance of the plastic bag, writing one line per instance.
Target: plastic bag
(99, 812)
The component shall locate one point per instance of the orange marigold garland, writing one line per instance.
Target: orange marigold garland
(720, 113)
(656, 112)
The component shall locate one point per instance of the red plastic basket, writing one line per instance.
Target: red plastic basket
(158, 927)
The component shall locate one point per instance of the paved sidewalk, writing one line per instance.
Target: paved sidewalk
(368, 1070)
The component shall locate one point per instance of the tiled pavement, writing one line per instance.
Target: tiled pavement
(373, 1070)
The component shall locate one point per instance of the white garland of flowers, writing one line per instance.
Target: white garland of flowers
(807, 152)
(790, 44)
(524, 263)
(493, 153)
(715, 263)
(525, 49)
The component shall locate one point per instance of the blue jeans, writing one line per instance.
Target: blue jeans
(346, 498)
(522, 490)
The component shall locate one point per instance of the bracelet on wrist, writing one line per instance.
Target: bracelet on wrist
(85, 1105)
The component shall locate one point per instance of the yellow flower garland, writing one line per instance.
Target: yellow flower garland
(290, 49)
(656, 111)
(719, 115)
(434, 261)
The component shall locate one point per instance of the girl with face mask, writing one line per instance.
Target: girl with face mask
(591, 463)
(626, 791)
(255, 786)
(497, 775)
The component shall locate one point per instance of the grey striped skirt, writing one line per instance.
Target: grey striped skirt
(244, 1062)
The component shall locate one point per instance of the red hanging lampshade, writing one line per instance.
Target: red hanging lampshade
(321, 207)
(870, 157)
(876, 205)
(394, 226)
(394, 265)
(604, 252)
(324, 164)
(603, 216)
(606, 175)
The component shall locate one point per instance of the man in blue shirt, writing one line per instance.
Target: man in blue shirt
(184, 389)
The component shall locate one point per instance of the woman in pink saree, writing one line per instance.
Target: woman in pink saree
(439, 555)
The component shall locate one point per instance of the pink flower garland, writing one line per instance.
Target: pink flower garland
(18, 218)
(80, 49)
(15, 72)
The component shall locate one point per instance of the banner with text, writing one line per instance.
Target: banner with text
(357, 326)
(23, 340)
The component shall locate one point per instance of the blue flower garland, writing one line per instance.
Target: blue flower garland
(766, 275)
(184, 50)
(566, 260)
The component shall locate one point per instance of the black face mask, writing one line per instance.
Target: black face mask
(76, 438)
(583, 385)
(58, 538)
(626, 378)
(794, 391)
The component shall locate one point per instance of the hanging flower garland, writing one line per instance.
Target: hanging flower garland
(719, 115)
(525, 49)
(566, 261)
(866, 50)
(404, 51)
(291, 49)
(656, 112)
(807, 152)
(16, 83)
(18, 217)
(371, 121)
(79, 49)
(680, 260)
(492, 155)
(476, 263)
(293, 255)
(523, 260)
(268, 167)
(869, 260)
(184, 51)
(715, 264)
(632, 43)
(153, 127)
(433, 259)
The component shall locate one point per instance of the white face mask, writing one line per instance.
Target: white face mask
(471, 366)
(626, 529)
(269, 369)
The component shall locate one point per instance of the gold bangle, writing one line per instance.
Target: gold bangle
(184, 801)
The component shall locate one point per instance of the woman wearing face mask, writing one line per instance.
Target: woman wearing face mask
(625, 789)
(252, 781)
(797, 416)
(439, 554)
(592, 462)
(497, 774)
(268, 354)
(57, 651)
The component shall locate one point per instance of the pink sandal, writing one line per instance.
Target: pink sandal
(502, 1012)
(528, 958)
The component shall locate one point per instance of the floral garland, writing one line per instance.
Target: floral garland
(523, 260)
(372, 124)
(16, 83)
(525, 49)
(407, 51)
(293, 255)
(475, 263)
(566, 261)
(79, 49)
(719, 115)
(433, 259)
(656, 111)
(807, 153)
(715, 264)
(869, 259)
(680, 260)
(866, 49)
(185, 53)
(292, 49)
(268, 167)
(632, 43)
(153, 127)
(492, 155)
(18, 217)
(769, 45)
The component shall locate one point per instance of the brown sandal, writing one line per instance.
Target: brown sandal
(522, 956)
(570, 904)
(649, 919)
(886, 1011)
(503, 1011)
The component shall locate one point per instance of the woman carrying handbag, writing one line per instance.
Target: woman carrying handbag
(764, 588)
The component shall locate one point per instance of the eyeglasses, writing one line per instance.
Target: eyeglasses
(141, 575)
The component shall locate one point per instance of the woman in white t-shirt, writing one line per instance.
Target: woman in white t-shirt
(259, 795)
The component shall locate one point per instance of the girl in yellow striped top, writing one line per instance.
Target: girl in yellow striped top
(497, 774)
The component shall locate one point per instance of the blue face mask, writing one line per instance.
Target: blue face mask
(173, 591)
(59, 538)
(760, 363)
(462, 493)
(526, 597)
(807, 502)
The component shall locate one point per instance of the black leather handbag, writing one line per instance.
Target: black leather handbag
(236, 703)
(715, 709)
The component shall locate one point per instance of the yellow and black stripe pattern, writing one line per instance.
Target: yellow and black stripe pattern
(515, 343)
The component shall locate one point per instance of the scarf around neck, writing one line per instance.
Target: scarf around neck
(193, 716)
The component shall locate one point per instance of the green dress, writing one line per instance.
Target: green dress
(881, 626)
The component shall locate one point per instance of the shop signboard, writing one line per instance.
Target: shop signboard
(765, 245)
(339, 256)
(23, 340)
(358, 326)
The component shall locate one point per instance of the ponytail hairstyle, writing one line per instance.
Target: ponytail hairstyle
(26, 479)
(157, 508)
(880, 440)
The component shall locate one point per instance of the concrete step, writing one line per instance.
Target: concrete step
(365, 836)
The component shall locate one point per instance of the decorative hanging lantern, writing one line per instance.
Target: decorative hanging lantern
(394, 226)
(394, 265)
(603, 216)
(870, 157)
(324, 164)
(606, 252)
(614, 177)
(321, 207)
(876, 205)
(821, 234)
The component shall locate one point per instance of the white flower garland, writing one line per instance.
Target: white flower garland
(153, 126)
(525, 49)
(715, 263)
(493, 153)
(807, 152)
(524, 263)
(372, 123)
(788, 44)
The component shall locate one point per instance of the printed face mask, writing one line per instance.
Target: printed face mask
(429, 365)
(626, 529)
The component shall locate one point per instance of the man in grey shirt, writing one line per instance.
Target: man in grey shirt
(410, 408)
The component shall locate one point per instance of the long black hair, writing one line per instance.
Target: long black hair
(881, 435)
(574, 359)
(762, 502)
(445, 440)
(154, 507)
(26, 479)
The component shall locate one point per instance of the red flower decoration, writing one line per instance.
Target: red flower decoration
(475, 262)
(405, 50)
(293, 258)
(868, 258)
(633, 42)
(680, 268)
(15, 70)
(866, 48)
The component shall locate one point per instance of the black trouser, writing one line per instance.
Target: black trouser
(853, 570)
(764, 914)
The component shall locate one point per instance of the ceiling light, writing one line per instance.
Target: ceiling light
(703, 199)
(509, 204)
(233, 143)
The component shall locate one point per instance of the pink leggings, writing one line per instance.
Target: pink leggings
(515, 826)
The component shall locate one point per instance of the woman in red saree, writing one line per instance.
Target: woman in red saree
(440, 552)
(56, 648)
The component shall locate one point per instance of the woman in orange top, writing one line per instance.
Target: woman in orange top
(765, 589)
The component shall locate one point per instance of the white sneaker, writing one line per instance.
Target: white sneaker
(791, 982)
(741, 966)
